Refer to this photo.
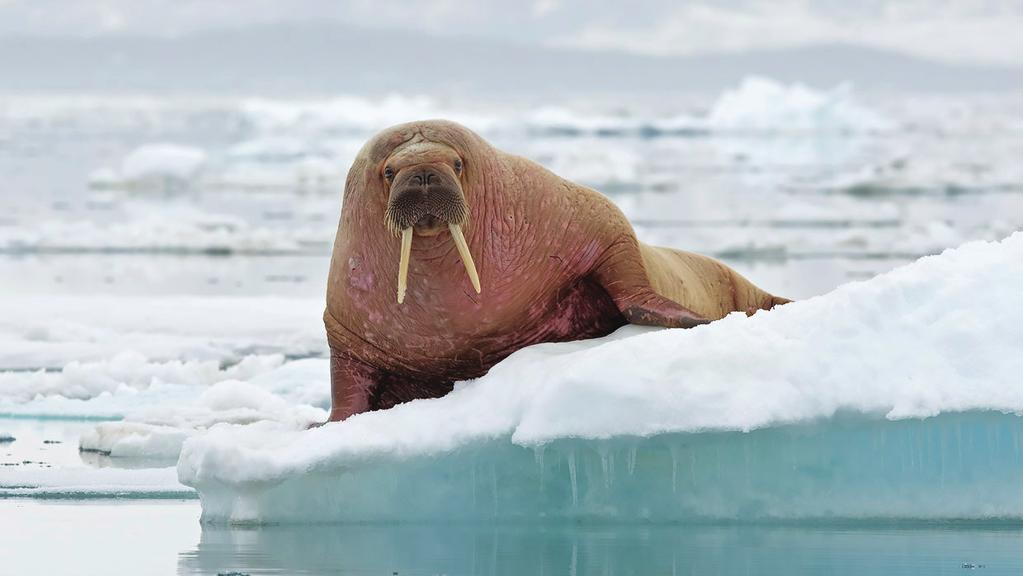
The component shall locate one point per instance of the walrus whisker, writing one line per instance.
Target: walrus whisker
(463, 251)
(406, 251)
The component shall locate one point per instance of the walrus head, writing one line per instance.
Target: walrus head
(423, 180)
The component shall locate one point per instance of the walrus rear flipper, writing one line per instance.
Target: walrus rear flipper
(625, 280)
(655, 310)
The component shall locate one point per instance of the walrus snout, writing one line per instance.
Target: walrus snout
(428, 198)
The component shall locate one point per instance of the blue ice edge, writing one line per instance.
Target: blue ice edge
(957, 466)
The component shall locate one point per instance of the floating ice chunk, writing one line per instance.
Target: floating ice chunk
(54, 331)
(928, 340)
(237, 402)
(271, 150)
(352, 114)
(156, 433)
(103, 406)
(126, 372)
(556, 120)
(300, 382)
(79, 483)
(161, 417)
(104, 178)
(559, 120)
(134, 440)
(162, 160)
(764, 105)
(165, 229)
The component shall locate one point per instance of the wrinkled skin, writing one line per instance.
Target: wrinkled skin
(556, 262)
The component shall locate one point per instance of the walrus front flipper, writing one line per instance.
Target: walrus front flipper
(357, 387)
(352, 383)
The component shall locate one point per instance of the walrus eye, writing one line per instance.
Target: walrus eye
(458, 165)
(389, 173)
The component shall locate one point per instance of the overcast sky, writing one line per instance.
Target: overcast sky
(963, 31)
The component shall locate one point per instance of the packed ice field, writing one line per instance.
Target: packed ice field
(162, 264)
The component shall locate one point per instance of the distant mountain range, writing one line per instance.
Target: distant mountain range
(330, 58)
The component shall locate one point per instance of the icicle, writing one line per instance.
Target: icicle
(1015, 442)
(692, 467)
(472, 480)
(572, 478)
(604, 465)
(745, 458)
(538, 456)
(493, 485)
(674, 468)
(611, 467)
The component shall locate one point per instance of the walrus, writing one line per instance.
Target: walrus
(450, 255)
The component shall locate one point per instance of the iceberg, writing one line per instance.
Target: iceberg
(764, 105)
(163, 160)
(895, 398)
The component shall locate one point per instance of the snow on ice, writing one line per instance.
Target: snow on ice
(865, 402)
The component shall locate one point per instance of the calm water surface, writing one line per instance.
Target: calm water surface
(110, 538)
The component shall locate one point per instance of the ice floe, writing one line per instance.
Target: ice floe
(759, 144)
(816, 409)
(51, 332)
(81, 483)
(157, 432)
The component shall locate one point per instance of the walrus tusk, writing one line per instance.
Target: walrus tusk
(406, 250)
(463, 251)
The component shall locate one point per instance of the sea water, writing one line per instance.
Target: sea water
(112, 538)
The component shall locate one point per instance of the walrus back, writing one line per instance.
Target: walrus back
(703, 284)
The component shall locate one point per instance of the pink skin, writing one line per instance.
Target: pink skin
(556, 262)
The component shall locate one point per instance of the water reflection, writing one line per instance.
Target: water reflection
(606, 550)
